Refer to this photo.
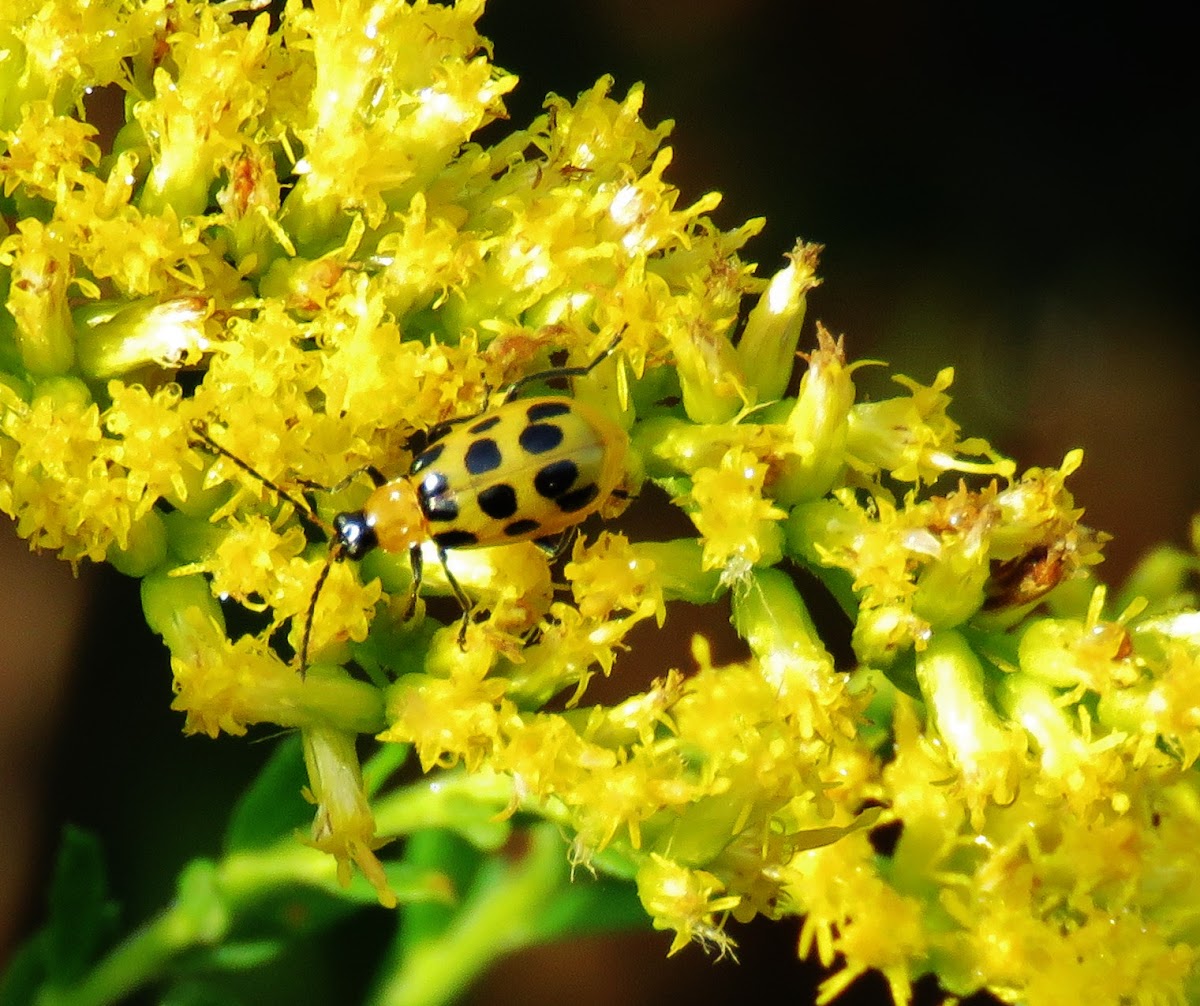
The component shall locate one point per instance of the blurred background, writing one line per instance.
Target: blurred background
(1011, 192)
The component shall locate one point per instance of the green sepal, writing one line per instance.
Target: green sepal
(82, 918)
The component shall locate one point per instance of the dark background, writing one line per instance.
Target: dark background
(1010, 192)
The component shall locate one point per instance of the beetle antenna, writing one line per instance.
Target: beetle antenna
(553, 373)
(302, 506)
(335, 552)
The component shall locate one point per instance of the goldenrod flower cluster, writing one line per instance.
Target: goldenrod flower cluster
(300, 247)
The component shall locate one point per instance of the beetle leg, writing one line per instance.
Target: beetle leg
(460, 595)
(416, 561)
(556, 546)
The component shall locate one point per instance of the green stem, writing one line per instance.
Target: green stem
(499, 915)
(472, 806)
(136, 962)
(208, 897)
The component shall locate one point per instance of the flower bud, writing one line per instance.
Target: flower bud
(145, 548)
(169, 334)
(818, 423)
(38, 296)
(709, 376)
(987, 750)
(767, 348)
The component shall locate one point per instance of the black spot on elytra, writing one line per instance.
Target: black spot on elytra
(556, 478)
(434, 484)
(484, 424)
(442, 509)
(540, 438)
(520, 527)
(546, 410)
(482, 456)
(455, 539)
(579, 498)
(886, 837)
(499, 501)
(425, 459)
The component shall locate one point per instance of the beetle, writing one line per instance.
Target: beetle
(529, 469)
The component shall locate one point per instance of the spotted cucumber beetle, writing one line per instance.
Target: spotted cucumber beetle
(528, 469)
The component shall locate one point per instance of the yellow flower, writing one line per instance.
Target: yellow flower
(913, 439)
(829, 884)
(300, 263)
(987, 752)
(38, 257)
(772, 330)
(47, 154)
(395, 90)
(448, 719)
(818, 424)
(223, 685)
(738, 525)
(613, 576)
(687, 901)
(201, 110)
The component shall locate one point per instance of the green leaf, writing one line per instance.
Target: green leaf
(383, 764)
(273, 805)
(193, 992)
(244, 956)
(587, 906)
(292, 911)
(202, 910)
(435, 850)
(26, 973)
(81, 916)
